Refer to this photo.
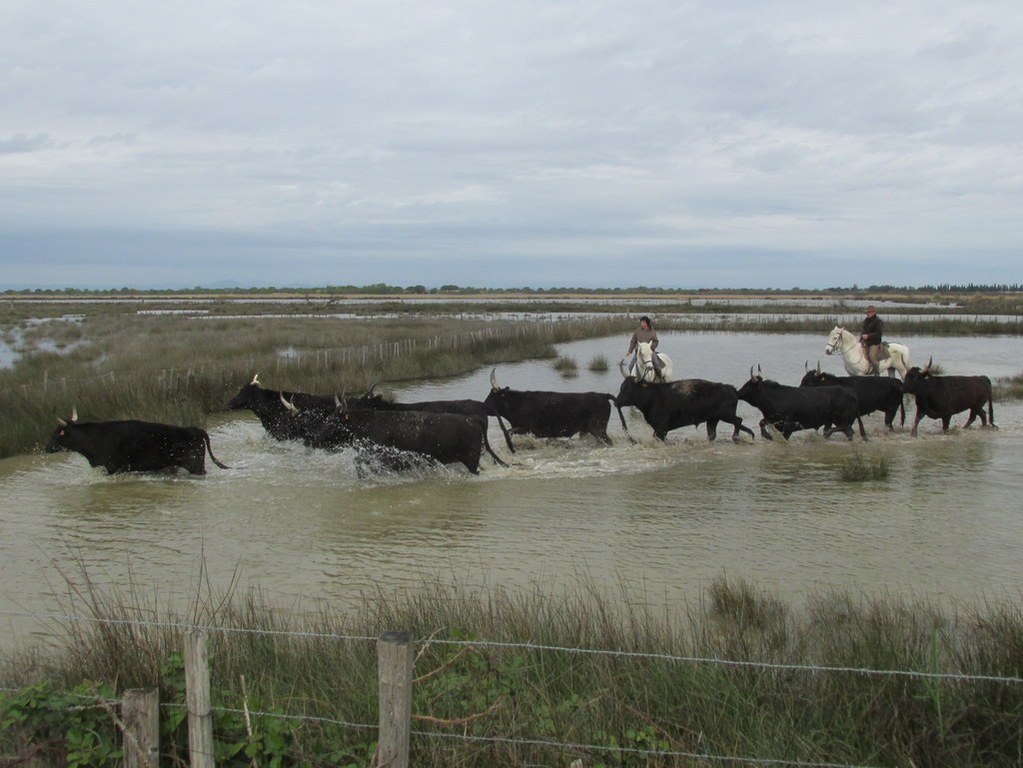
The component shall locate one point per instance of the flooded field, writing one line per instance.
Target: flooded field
(660, 519)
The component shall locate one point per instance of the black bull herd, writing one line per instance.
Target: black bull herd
(397, 436)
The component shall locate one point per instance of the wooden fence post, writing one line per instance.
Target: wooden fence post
(197, 697)
(140, 711)
(394, 673)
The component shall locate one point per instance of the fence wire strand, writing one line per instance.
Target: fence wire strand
(673, 658)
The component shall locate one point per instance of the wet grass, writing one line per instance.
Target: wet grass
(860, 468)
(598, 364)
(1009, 387)
(741, 675)
(566, 366)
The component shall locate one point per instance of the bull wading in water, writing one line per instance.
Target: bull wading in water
(553, 414)
(683, 403)
(134, 446)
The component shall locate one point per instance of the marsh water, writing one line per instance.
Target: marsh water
(654, 521)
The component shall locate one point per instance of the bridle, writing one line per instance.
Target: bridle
(644, 366)
(832, 347)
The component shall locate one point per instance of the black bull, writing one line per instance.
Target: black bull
(473, 408)
(941, 397)
(553, 414)
(874, 393)
(270, 408)
(683, 403)
(447, 437)
(135, 446)
(789, 409)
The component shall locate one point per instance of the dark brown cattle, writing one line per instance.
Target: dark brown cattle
(552, 414)
(874, 393)
(683, 403)
(135, 446)
(941, 397)
(789, 409)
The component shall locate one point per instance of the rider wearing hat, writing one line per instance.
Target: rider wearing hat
(646, 333)
(870, 336)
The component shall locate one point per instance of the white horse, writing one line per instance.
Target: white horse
(644, 370)
(892, 357)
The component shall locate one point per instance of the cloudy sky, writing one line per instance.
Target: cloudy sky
(592, 144)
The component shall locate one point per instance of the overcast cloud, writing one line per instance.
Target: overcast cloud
(724, 144)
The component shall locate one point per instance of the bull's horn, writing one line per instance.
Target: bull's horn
(340, 404)
(61, 422)
(493, 379)
(751, 377)
(369, 392)
(255, 380)
(929, 361)
(74, 413)
(288, 406)
(806, 366)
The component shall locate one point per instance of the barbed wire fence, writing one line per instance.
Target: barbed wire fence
(396, 654)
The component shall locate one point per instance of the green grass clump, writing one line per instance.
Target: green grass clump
(499, 674)
(598, 364)
(859, 468)
(1009, 388)
(566, 366)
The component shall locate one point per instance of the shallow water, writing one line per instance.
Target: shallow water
(661, 519)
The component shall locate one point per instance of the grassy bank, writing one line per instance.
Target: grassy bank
(182, 370)
(481, 699)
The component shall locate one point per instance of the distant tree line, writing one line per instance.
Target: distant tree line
(383, 289)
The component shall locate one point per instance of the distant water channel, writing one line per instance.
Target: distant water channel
(662, 520)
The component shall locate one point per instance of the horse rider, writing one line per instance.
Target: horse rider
(870, 337)
(645, 332)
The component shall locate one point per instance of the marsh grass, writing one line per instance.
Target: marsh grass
(182, 370)
(1009, 387)
(566, 366)
(598, 364)
(481, 674)
(860, 468)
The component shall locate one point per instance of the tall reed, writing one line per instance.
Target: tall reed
(505, 677)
